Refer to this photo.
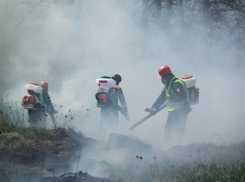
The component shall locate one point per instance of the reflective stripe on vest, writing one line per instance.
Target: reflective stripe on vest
(41, 101)
(178, 105)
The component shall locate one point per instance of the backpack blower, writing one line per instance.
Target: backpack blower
(29, 101)
(192, 91)
(104, 96)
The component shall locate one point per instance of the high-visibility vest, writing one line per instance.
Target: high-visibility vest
(41, 100)
(178, 105)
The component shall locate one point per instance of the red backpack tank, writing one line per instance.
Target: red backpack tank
(28, 102)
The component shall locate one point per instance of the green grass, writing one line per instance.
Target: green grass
(15, 130)
(14, 120)
(8, 129)
(194, 163)
(203, 172)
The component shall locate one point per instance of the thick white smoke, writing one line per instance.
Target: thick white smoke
(71, 44)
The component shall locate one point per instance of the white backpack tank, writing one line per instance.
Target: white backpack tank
(34, 87)
(193, 92)
(103, 95)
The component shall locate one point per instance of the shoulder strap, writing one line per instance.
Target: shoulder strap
(170, 84)
(183, 83)
(174, 80)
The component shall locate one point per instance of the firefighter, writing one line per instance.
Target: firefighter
(38, 117)
(109, 114)
(175, 94)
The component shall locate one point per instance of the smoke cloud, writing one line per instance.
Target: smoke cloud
(71, 43)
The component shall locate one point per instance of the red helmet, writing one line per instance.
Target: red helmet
(44, 83)
(163, 70)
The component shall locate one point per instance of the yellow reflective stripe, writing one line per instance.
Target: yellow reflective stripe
(169, 85)
(41, 100)
(175, 106)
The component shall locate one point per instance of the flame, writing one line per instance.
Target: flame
(107, 175)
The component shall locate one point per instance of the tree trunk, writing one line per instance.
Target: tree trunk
(206, 15)
(168, 16)
(158, 10)
(145, 26)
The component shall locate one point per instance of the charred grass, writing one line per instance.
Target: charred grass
(30, 153)
(29, 150)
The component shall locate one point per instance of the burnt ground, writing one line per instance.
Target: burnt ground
(37, 157)
(55, 158)
(52, 158)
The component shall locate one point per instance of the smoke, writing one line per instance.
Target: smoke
(70, 44)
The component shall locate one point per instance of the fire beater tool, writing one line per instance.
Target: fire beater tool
(152, 113)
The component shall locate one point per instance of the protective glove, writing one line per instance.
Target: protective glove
(148, 109)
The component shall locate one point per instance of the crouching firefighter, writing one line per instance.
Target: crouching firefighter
(107, 99)
(176, 95)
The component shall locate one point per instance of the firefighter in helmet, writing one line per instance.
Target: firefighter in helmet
(109, 114)
(38, 116)
(175, 94)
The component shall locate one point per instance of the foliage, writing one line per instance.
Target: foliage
(196, 172)
(210, 163)
(187, 20)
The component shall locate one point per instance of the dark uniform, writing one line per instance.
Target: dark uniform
(38, 117)
(109, 113)
(49, 108)
(178, 110)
